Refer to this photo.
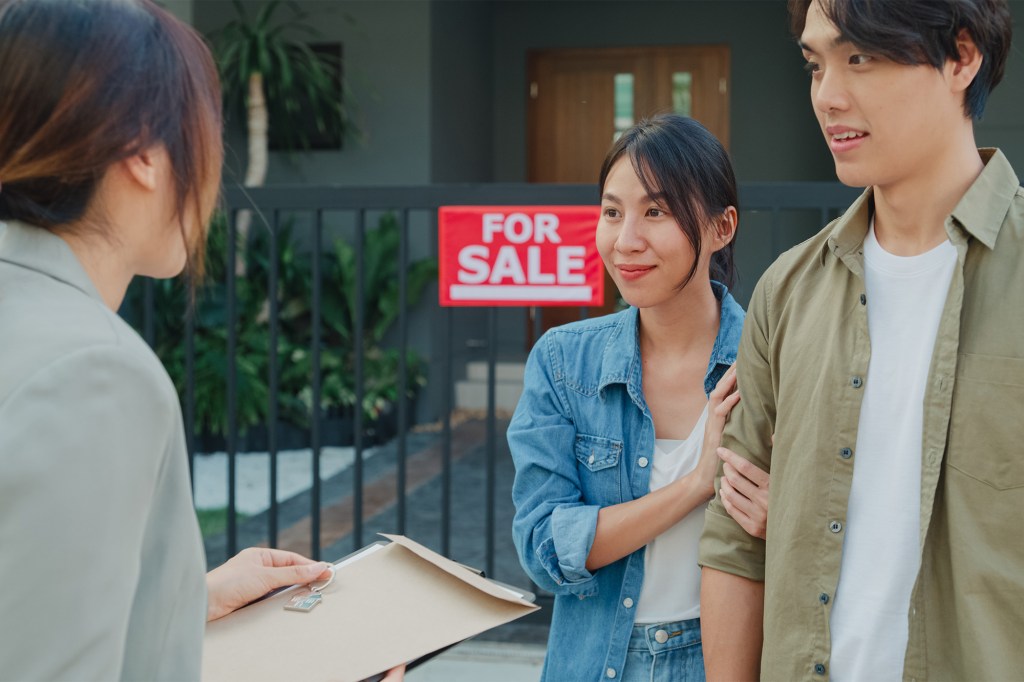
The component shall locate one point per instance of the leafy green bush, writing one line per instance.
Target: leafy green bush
(295, 328)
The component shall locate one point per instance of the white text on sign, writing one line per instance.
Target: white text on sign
(476, 267)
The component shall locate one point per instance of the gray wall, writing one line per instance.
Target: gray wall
(462, 73)
(1003, 124)
(441, 84)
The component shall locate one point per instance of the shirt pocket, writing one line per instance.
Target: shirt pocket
(597, 460)
(986, 431)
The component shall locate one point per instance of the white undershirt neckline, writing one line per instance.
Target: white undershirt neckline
(671, 583)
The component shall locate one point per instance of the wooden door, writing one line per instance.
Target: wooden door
(580, 99)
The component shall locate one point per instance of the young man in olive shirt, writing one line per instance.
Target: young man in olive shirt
(887, 356)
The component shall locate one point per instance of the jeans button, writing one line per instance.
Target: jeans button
(627, 602)
(643, 462)
(661, 636)
(610, 673)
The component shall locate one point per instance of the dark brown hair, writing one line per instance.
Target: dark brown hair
(923, 32)
(87, 83)
(679, 161)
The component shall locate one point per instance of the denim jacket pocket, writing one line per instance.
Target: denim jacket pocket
(597, 459)
(984, 438)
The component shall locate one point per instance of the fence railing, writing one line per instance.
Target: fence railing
(242, 348)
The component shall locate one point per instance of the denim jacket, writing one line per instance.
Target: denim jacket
(577, 437)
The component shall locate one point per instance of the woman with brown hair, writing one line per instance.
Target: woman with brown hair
(110, 155)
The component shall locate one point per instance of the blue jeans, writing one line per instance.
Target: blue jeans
(665, 652)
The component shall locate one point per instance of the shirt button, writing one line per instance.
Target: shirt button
(863, 299)
(610, 673)
(846, 453)
(823, 598)
(591, 460)
(627, 602)
(835, 526)
(856, 382)
(819, 669)
(661, 636)
(643, 461)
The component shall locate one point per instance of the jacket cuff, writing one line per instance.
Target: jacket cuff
(565, 556)
(726, 547)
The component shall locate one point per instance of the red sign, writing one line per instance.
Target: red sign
(519, 255)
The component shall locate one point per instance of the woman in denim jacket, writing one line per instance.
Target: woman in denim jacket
(615, 436)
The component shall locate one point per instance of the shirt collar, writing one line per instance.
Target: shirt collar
(980, 212)
(41, 250)
(983, 208)
(621, 360)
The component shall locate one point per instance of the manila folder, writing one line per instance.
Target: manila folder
(393, 606)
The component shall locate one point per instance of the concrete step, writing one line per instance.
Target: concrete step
(503, 371)
(472, 395)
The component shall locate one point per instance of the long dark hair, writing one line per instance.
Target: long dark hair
(87, 83)
(678, 159)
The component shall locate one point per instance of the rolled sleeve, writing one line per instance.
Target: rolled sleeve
(726, 547)
(572, 532)
(553, 528)
(724, 544)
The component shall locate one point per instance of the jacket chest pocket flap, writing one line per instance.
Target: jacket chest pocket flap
(596, 453)
(986, 432)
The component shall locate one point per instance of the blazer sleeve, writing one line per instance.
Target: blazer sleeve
(724, 545)
(81, 443)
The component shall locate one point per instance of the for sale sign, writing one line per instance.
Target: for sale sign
(519, 255)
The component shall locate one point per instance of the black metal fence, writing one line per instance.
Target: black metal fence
(292, 222)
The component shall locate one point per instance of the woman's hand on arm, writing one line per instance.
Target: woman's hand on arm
(744, 491)
(624, 528)
(720, 403)
(254, 572)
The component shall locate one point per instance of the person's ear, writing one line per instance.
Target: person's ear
(143, 167)
(725, 227)
(965, 67)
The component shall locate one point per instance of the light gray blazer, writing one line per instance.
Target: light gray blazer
(101, 562)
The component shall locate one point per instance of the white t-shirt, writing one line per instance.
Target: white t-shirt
(671, 587)
(881, 548)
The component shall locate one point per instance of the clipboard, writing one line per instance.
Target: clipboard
(390, 603)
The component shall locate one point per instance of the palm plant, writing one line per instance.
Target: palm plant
(278, 81)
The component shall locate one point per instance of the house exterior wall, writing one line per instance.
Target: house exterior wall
(441, 84)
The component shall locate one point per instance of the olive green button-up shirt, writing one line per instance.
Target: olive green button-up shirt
(802, 366)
